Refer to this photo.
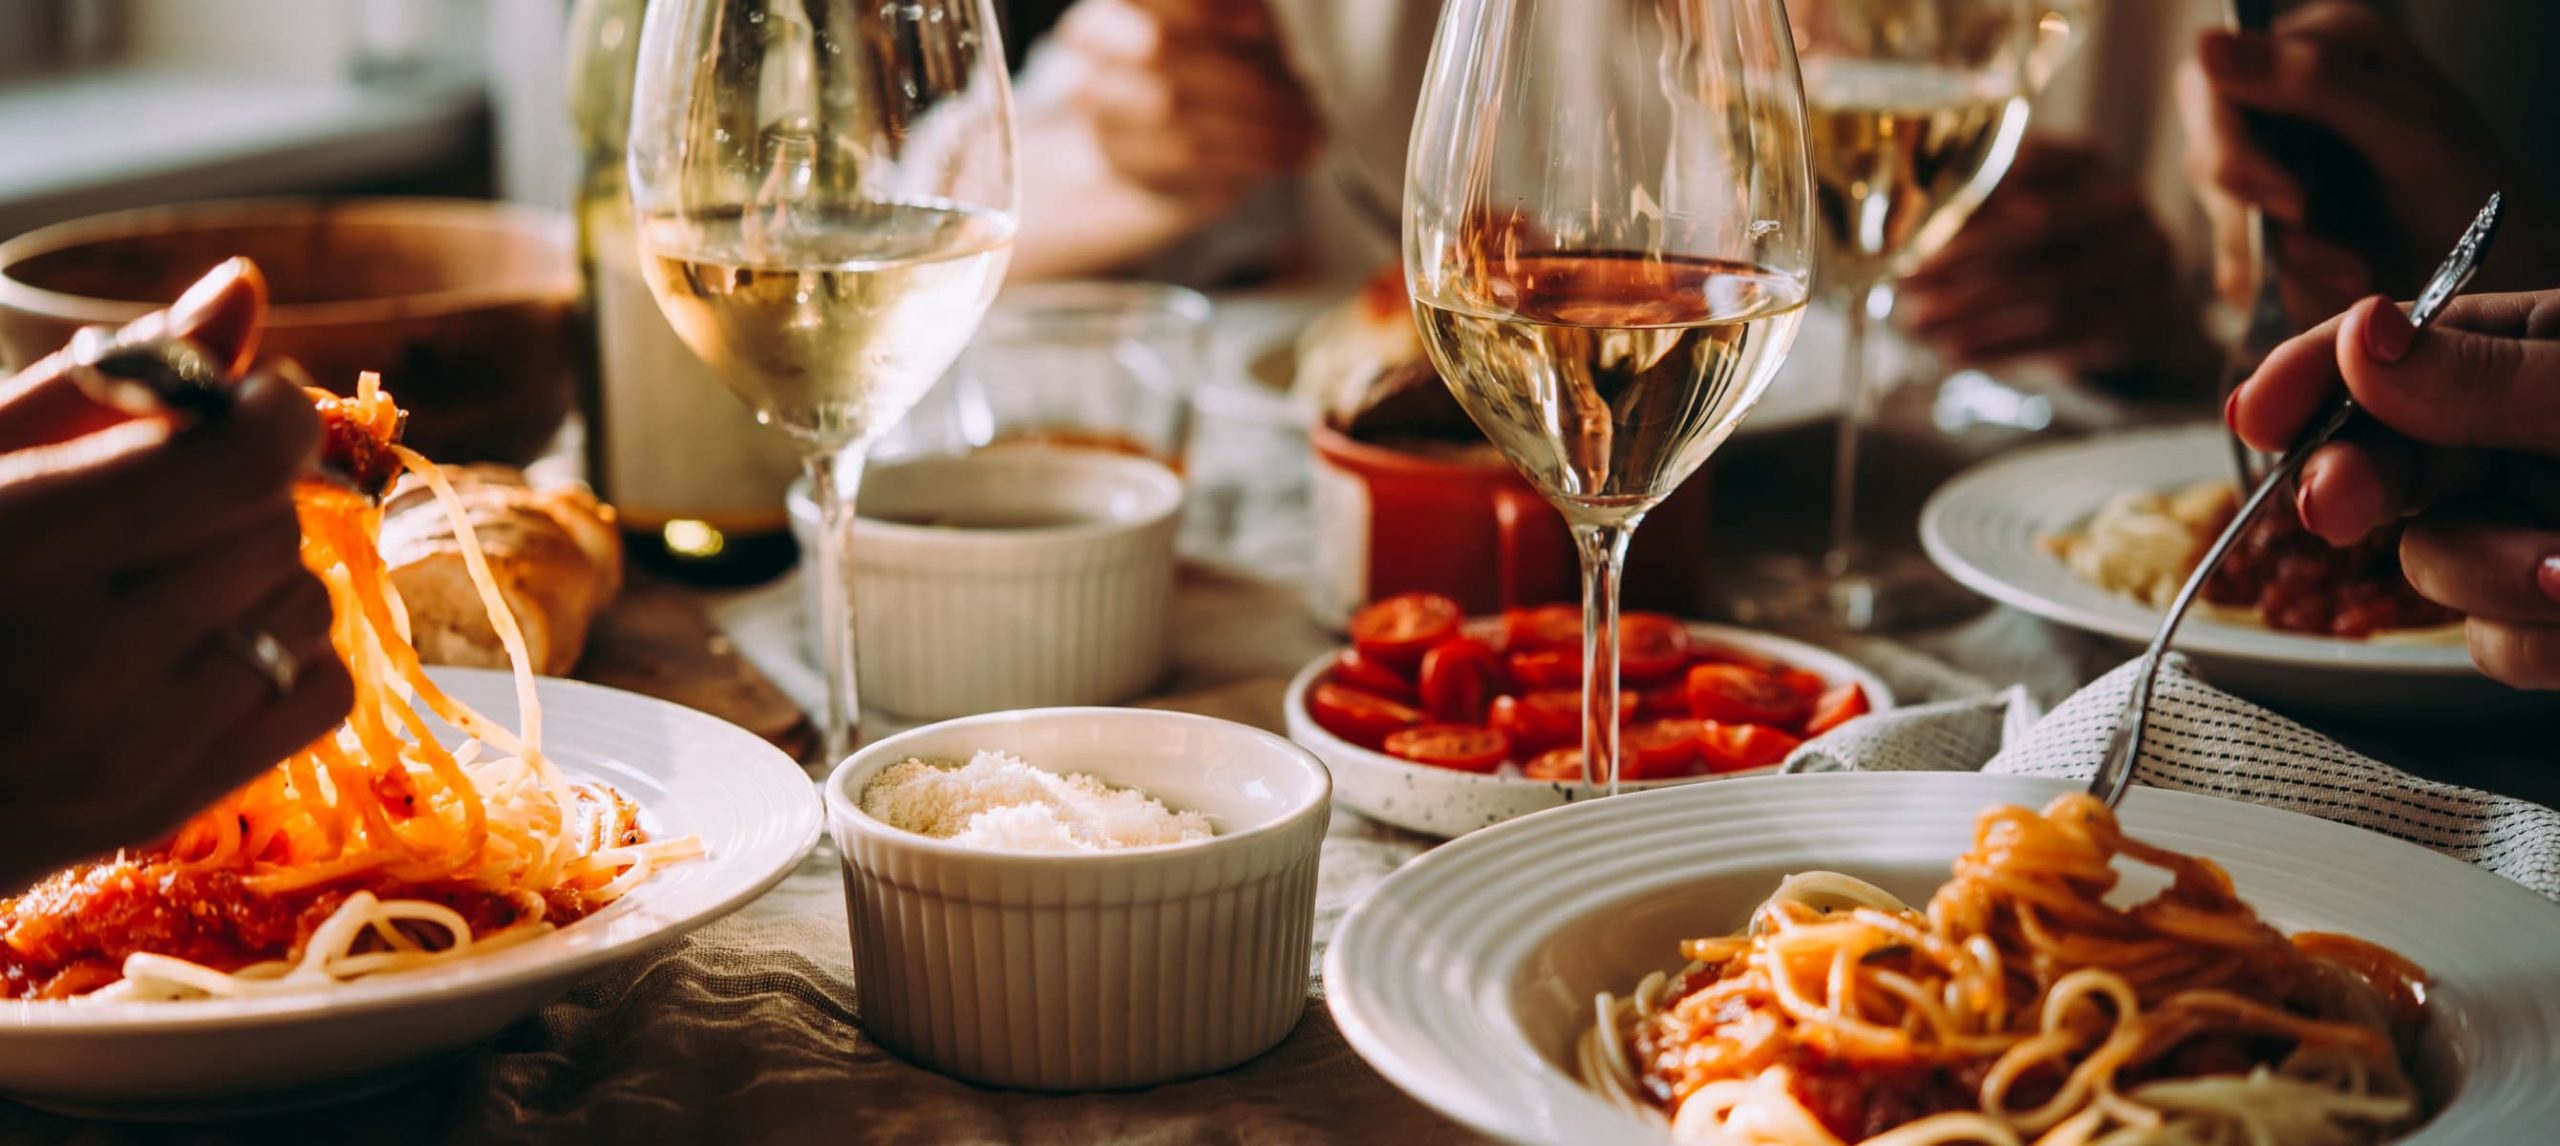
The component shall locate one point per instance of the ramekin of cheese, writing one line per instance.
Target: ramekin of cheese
(1080, 898)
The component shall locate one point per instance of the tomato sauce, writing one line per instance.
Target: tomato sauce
(2298, 583)
(70, 934)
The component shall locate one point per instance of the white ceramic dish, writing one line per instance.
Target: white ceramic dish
(1066, 602)
(1466, 976)
(1446, 802)
(692, 774)
(1099, 971)
(1981, 528)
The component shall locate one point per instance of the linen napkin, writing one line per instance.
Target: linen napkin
(2202, 739)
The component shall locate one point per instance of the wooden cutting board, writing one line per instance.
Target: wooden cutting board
(658, 640)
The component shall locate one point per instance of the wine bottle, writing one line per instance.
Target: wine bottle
(699, 485)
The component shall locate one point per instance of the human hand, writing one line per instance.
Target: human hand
(147, 548)
(2063, 261)
(1193, 100)
(2428, 158)
(2468, 440)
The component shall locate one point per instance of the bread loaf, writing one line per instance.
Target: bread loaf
(554, 552)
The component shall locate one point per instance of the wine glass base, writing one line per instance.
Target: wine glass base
(1872, 593)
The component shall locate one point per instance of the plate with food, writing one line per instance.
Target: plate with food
(1953, 957)
(1440, 724)
(2099, 534)
(454, 855)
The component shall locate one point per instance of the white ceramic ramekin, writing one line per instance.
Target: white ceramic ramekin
(1093, 971)
(956, 619)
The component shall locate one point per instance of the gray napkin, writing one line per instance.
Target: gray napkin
(2202, 739)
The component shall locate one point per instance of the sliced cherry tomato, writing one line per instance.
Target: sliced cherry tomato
(1548, 668)
(1663, 701)
(1561, 766)
(1465, 747)
(1548, 717)
(1459, 680)
(1659, 749)
(1544, 627)
(1736, 747)
(1360, 717)
(1397, 631)
(1837, 707)
(1359, 671)
(1739, 694)
(1651, 648)
(1805, 681)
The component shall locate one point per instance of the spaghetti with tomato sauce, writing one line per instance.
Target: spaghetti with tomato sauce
(2019, 1007)
(374, 849)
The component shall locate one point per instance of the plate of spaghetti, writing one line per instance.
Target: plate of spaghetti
(1926, 959)
(453, 855)
(2096, 534)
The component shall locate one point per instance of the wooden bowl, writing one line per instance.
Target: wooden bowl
(463, 307)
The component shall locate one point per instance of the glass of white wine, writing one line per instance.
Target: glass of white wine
(825, 201)
(1918, 108)
(1608, 237)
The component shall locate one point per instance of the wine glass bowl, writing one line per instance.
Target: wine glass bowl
(824, 199)
(1608, 241)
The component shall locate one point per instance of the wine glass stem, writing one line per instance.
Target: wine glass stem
(1856, 405)
(835, 477)
(1604, 559)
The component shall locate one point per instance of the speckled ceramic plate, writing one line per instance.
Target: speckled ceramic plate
(1446, 802)
(1466, 976)
(692, 774)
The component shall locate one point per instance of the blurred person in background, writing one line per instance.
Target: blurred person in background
(1176, 138)
(2433, 114)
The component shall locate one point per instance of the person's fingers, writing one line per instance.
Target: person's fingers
(2483, 568)
(2271, 408)
(2522, 656)
(223, 721)
(2351, 488)
(136, 493)
(221, 313)
(167, 610)
(2458, 386)
(2223, 153)
(2320, 278)
(2338, 83)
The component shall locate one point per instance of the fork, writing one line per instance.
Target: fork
(2124, 746)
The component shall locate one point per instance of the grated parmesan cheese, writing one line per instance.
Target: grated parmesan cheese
(1000, 803)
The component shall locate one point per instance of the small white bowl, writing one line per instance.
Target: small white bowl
(1448, 803)
(1045, 579)
(1104, 971)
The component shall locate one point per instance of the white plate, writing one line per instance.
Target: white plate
(753, 809)
(1982, 527)
(1467, 975)
(1446, 802)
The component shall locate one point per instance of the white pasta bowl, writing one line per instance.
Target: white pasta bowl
(1094, 971)
(691, 774)
(1446, 802)
(1468, 977)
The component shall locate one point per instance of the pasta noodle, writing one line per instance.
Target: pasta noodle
(372, 850)
(2019, 1008)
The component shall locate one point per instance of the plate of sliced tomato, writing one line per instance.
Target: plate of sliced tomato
(1441, 723)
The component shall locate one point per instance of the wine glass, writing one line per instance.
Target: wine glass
(1917, 108)
(824, 194)
(1608, 237)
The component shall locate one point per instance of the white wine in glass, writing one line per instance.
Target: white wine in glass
(1608, 241)
(1917, 108)
(825, 202)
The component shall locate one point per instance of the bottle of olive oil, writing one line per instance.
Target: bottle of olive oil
(699, 485)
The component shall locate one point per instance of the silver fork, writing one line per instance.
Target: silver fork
(2124, 747)
(2268, 325)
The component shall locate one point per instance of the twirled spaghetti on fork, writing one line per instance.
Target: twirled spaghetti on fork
(373, 849)
(2020, 1007)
